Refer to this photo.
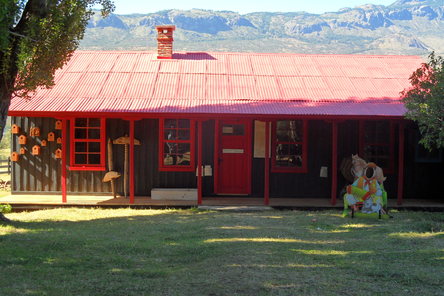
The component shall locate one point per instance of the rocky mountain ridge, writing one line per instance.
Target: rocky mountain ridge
(404, 27)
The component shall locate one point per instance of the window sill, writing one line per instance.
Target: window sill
(87, 168)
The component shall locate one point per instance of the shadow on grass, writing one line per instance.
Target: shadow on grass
(190, 252)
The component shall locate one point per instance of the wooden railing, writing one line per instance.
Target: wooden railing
(5, 166)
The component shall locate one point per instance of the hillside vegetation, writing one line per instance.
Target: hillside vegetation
(405, 27)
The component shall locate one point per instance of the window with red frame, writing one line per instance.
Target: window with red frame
(88, 144)
(376, 143)
(176, 145)
(289, 146)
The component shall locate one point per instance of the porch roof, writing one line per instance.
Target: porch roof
(226, 83)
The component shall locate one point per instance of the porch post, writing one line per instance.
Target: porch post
(131, 169)
(64, 148)
(334, 162)
(267, 165)
(199, 163)
(401, 163)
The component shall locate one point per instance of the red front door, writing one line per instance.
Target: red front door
(234, 157)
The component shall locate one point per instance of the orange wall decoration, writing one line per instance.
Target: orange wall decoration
(35, 150)
(51, 137)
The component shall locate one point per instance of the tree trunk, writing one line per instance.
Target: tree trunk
(7, 80)
(3, 218)
(8, 61)
(4, 106)
(5, 98)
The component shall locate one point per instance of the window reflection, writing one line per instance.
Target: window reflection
(176, 142)
(376, 146)
(289, 144)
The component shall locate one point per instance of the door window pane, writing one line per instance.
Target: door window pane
(233, 129)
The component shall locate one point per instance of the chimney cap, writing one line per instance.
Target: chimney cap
(166, 27)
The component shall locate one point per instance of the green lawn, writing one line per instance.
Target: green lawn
(191, 252)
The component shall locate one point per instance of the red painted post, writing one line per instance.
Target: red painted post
(401, 164)
(267, 165)
(334, 162)
(64, 147)
(199, 163)
(131, 168)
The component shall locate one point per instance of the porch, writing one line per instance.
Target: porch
(44, 201)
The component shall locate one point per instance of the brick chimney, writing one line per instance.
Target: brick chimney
(165, 41)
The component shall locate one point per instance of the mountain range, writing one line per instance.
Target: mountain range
(410, 27)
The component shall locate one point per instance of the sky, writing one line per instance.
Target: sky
(241, 6)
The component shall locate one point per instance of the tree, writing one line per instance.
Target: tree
(4, 209)
(36, 38)
(425, 101)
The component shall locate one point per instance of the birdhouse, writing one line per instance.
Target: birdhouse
(59, 140)
(15, 156)
(15, 129)
(22, 140)
(58, 153)
(43, 143)
(51, 137)
(22, 151)
(35, 150)
(58, 125)
(34, 132)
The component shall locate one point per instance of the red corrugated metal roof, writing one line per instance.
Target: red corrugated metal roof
(241, 83)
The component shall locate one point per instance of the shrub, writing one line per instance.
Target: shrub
(4, 209)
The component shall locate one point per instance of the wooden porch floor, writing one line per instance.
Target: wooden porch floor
(42, 201)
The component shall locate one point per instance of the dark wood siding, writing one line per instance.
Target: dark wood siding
(309, 184)
(41, 173)
(147, 174)
(35, 173)
(319, 154)
(348, 144)
(301, 184)
(208, 137)
(421, 178)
